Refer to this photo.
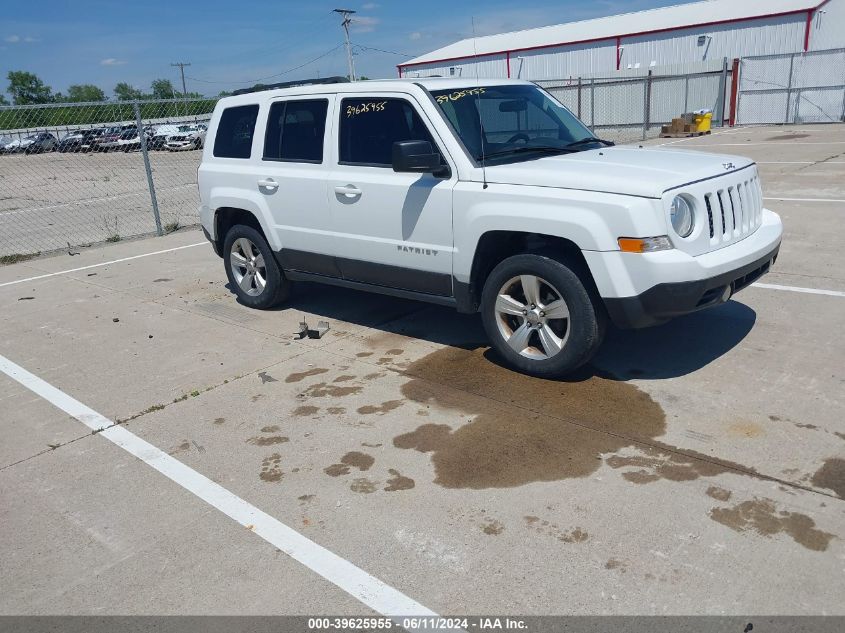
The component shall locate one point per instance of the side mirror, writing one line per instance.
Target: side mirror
(415, 157)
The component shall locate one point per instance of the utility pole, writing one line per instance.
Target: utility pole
(181, 66)
(346, 22)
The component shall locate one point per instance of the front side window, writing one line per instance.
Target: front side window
(511, 122)
(370, 126)
(295, 131)
(235, 131)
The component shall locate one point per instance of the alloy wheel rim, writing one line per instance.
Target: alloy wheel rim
(532, 317)
(248, 266)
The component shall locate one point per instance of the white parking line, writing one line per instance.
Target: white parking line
(811, 291)
(114, 261)
(368, 589)
(806, 199)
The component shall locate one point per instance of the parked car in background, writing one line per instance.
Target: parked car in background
(89, 139)
(71, 141)
(110, 137)
(36, 143)
(5, 141)
(130, 140)
(160, 134)
(187, 137)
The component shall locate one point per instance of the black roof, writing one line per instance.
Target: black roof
(292, 84)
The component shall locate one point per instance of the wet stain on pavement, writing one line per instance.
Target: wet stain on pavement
(831, 476)
(719, 494)
(353, 459)
(265, 377)
(398, 482)
(745, 429)
(344, 378)
(184, 447)
(305, 410)
(761, 516)
(363, 354)
(270, 470)
(163, 279)
(269, 440)
(615, 563)
(336, 410)
(219, 421)
(541, 526)
(841, 436)
(394, 352)
(363, 485)
(298, 376)
(381, 409)
(493, 528)
(270, 429)
(322, 389)
(306, 498)
(652, 465)
(506, 446)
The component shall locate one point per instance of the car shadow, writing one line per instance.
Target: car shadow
(680, 347)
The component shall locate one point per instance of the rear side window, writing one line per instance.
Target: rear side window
(295, 131)
(369, 128)
(235, 131)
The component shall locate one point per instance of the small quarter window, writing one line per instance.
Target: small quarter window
(235, 131)
(295, 131)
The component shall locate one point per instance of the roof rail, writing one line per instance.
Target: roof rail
(292, 84)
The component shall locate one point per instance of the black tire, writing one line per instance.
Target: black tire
(276, 288)
(585, 325)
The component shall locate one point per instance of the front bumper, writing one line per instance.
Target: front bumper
(666, 301)
(640, 290)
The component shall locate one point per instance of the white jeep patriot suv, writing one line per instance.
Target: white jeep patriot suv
(485, 195)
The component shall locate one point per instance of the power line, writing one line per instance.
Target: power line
(284, 72)
(285, 45)
(381, 50)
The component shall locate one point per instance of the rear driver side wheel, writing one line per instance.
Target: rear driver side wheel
(540, 316)
(252, 269)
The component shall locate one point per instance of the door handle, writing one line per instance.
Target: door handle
(350, 191)
(268, 183)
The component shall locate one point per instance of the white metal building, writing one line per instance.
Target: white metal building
(684, 34)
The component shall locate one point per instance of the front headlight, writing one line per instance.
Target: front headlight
(682, 217)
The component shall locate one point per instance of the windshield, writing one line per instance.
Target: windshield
(519, 122)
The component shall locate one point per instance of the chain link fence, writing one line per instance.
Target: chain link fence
(634, 108)
(794, 88)
(72, 175)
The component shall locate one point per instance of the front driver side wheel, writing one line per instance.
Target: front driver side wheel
(540, 316)
(252, 269)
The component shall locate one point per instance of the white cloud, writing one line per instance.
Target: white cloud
(369, 6)
(111, 61)
(416, 35)
(31, 39)
(13, 39)
(364, 24)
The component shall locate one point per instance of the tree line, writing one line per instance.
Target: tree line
(26, 88)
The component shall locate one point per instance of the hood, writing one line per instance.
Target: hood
(632, 171)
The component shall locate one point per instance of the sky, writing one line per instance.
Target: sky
(235, 43)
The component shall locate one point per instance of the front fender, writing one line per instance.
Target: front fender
(593, 221)
(252, 201)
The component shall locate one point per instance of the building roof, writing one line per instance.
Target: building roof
(626, 24)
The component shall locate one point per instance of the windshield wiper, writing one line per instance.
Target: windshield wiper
(590, 139)
(527, 148)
